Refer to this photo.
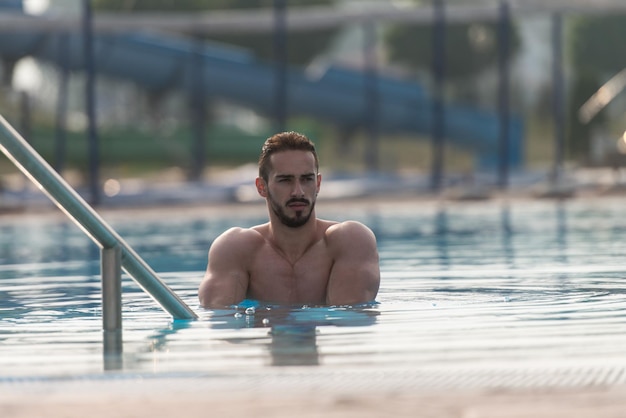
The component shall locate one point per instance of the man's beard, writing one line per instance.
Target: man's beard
(299, 219)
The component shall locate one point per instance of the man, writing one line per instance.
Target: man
(295, 258)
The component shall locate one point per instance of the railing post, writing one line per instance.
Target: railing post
(111, 269)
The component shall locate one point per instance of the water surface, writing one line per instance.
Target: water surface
(491, 288)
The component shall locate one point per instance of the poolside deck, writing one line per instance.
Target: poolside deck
(197, 397)
(235, 189)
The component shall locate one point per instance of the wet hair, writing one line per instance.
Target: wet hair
(283, 141)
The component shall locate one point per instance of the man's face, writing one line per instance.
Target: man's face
(292, 186)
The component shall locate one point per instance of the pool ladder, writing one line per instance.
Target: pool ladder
(116, 254)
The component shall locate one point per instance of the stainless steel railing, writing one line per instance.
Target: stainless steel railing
(22, 154)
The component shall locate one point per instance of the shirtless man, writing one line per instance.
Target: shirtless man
(295, 258)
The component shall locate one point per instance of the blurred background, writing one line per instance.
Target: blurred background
(432, 95)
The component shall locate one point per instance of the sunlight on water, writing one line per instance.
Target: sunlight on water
(474, 286)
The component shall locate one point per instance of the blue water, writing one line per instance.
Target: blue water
(485, 286)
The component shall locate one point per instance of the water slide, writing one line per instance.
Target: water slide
(159, 62)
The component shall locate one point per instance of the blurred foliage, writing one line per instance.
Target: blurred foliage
(302, 46)
(145, 150)
(595, 50)
(584, 85)
(596, 44)
(470, 47)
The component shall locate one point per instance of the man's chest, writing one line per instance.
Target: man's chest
(274, 277)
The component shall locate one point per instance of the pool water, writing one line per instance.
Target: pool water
(483, 293)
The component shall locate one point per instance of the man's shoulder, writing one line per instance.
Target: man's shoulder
(348, 231)
(347, 227)
(240, 239)
(241, 232)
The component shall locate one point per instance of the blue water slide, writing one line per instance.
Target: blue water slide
(337, 96)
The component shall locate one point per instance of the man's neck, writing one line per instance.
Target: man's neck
(293, 243)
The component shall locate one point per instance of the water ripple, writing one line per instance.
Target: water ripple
(482, 288)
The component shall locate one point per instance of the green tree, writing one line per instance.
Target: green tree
(596, 53)
(596, 44)
(302, 46)
(470, 47)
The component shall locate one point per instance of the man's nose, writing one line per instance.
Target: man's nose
(298, 190)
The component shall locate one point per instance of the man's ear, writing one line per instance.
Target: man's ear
(261, 186)
(319, 182)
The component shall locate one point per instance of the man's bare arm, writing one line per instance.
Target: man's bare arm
(355, 276)
(226, 279)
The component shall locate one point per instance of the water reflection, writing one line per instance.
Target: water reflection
(441, 236)
(561, 231)
(294, 346)
(112, 350)
(293, 331)
(291, 337)
(507, 235)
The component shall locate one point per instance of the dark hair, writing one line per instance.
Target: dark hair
(283, 141)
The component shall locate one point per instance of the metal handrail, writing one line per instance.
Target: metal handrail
(22, 154)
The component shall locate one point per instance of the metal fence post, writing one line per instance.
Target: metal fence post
(280, 57)
(557, 97)
(90, 102)
(438, 121)
(504, 93)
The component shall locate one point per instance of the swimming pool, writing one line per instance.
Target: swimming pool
(474, 294)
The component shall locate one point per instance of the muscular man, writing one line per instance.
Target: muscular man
(295, 258)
